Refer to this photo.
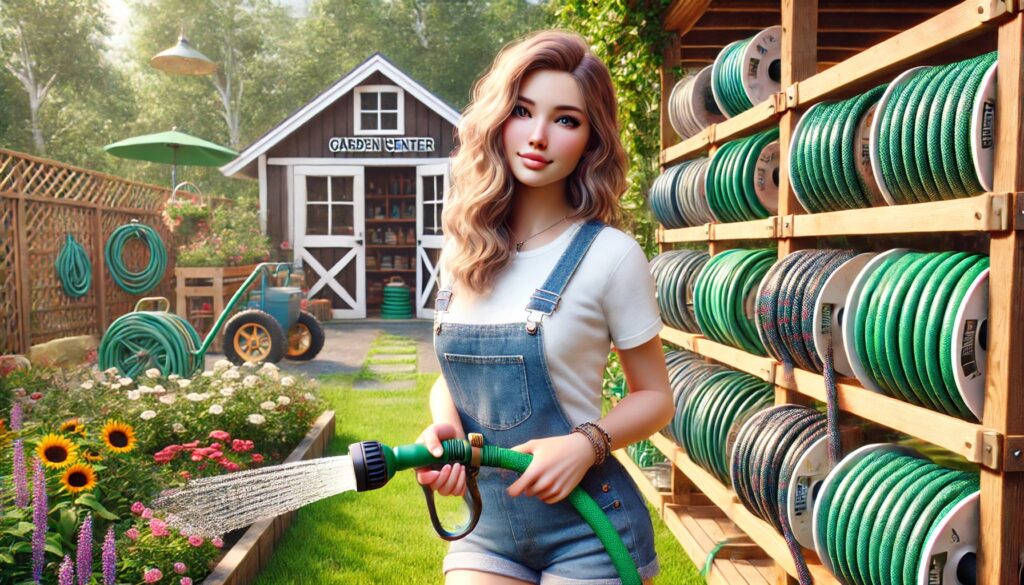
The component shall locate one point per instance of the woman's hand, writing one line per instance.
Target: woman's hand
(450, 479)
(559, 463)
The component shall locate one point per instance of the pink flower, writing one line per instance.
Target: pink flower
(216, 455)
(35, 395)
(217, 542)
(191, 445)
(220, 435)
(185, 475)
(147, 513)
(158, 527)
(180, 568)
(241, 446)
(195, 540)
(137, 508)
(186, 581)
(257, 458)
(132, 533)
(197, 456)
(153, 575)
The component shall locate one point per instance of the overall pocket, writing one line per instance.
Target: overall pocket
(490, 389)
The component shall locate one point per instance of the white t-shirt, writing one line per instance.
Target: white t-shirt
(610, 298)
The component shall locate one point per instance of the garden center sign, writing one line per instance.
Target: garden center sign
(380, 144)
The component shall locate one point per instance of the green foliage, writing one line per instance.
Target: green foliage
(233, 239)
(628, 37)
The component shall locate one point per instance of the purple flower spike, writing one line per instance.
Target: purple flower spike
(16, 417)
(66, 576)
(20, 475)
(85, 551)
(109, 558)
(39, 510)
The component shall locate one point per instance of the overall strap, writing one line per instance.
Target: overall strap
(545, 299)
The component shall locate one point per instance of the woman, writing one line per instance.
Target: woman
(527, 222)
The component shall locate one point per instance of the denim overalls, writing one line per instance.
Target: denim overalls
(499, 380)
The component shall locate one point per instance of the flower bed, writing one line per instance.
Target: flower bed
(92, 448)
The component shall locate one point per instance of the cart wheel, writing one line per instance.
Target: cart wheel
(253, 336)
(305, 338)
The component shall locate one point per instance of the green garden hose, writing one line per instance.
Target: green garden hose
(675, 275)
(875, 514)
(130, 281)
(732, 178)
(140, 340)
(74, 268)
(824, 154)
(903, 326)
(686, 371)
(376, 463)
(724, 295)
(677, 196)
(923, 141)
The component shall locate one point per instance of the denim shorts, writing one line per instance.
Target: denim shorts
(527, 539)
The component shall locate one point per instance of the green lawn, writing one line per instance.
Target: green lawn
(385, 536)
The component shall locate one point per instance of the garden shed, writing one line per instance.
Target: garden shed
(351, 187)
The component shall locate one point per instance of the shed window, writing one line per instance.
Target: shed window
(330, 206)
(379, 110)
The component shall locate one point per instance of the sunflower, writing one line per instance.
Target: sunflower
(90, 454)
(119, 436)
(73, 425)
(56, 451)
(78, 478)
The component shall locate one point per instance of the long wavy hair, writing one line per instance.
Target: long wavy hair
(475, 220)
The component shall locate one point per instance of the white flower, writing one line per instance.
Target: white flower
(256, 419)
(184, 383)
(178, 428)
(115, 386)
(153, 373)
(87, 385)
(287, 381)
(196, 397)
(221, 364)
(208, 374)
(227, 391)
(144, 389)
(283, 400)
(158, 389)
(250, 365)
(309, 396)
(231, 374)
(250, 381)
(147, 414)
(173, 377)
(268, 405)
(134, 395)
(112, 371)
(314, 383)
(216, 409)
(124, 381)
(167, 399)
(269, 367)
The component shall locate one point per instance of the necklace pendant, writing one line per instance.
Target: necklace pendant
(519, 245)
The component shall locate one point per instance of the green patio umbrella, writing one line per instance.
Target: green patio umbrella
(172, 147)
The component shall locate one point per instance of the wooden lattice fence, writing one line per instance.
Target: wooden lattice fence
(40, 202)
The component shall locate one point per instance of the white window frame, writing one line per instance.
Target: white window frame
(357, 101)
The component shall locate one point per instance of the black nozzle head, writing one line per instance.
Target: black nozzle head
(370, 466)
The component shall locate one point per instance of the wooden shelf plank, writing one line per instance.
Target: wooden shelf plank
(761, 367)
(757, 229)
(762, 533)
(760, 116)
(986, 212)
(697, 543)
(689, 148)
(698, 233)
(657, 498)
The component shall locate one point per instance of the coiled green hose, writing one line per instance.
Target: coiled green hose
(874, 517)
(727, 79)
(686, 370)
(823, 157)
(145, 280)
(903, 326)
(724, 293)
(924, 134)
(675, 275)
(74, 268)
(732, 178)
(141, 340)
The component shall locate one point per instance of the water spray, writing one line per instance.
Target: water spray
(214, 505)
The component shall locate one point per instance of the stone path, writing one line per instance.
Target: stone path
(391, 364)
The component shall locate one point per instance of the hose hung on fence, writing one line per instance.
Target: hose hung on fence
(74, 270)
(142, 281)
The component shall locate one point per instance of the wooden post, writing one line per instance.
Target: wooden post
(99, 275)
(22, 262)
(670, 59)
(1002, 493)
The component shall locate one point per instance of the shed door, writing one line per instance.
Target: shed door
(431, 185)
(329, 236)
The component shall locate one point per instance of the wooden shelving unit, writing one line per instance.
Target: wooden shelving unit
(387, 188)
(832, 50)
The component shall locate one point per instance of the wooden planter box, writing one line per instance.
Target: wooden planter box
(243, 562)
(216, 282)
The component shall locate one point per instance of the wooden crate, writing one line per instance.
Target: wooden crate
(214, 282)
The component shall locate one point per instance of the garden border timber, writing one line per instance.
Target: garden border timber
(997, 443)
(243, 562)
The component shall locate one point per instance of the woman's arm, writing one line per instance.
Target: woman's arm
(442, 407)
(647, 408)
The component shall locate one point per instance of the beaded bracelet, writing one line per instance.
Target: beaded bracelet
(598, 438)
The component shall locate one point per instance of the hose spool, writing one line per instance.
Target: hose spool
(130, 281)
(779, 460)
(918, 329)
(677, 196)
(707, 419)
(935, 136)
(886, 514)
(644, 453)
(685, 371)
(743, 178)
(829, 164)
(725, 293)
(140, 340)
(675, 275)
(747, 72)
(692, 105)
(74, 270)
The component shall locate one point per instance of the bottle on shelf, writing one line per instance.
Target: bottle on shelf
(389, 237)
